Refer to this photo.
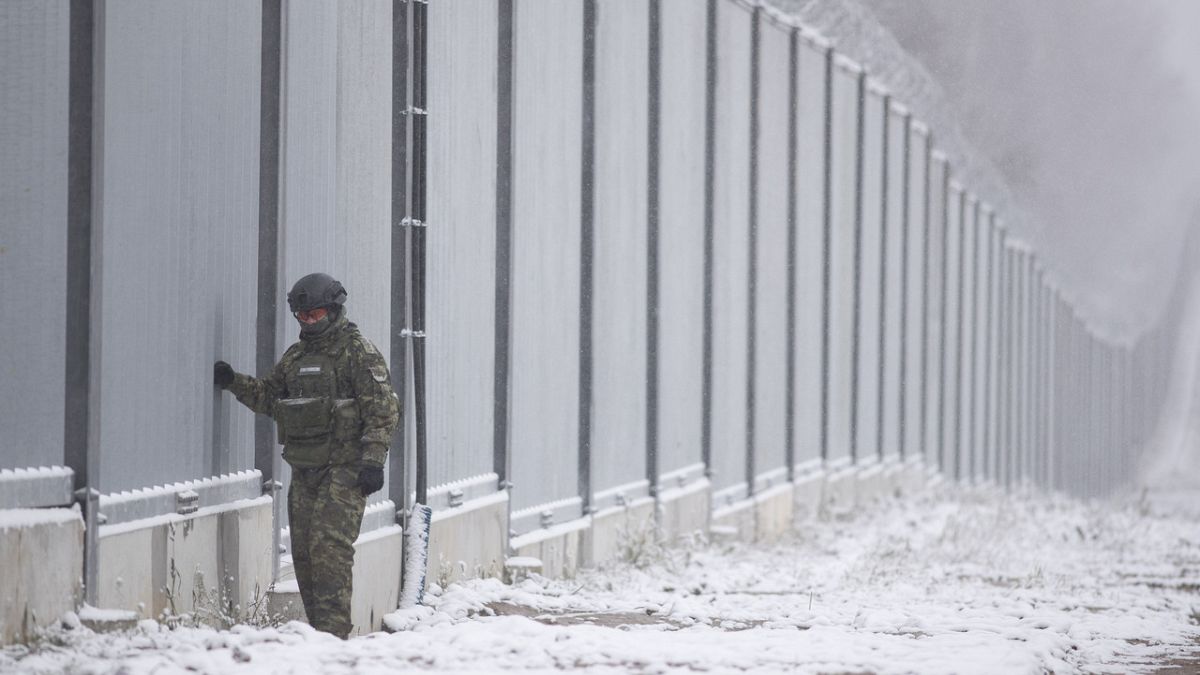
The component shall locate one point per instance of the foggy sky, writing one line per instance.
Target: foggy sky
(1090, 110)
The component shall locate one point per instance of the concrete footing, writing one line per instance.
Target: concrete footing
(177, 564)
(217, 556)
(620, 533)
(468, 541)
(41, 567)
(684, 512)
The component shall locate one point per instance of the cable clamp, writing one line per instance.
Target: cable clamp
(409, 333)
(412, 222)
(413, 110)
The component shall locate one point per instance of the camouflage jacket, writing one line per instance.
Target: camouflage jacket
(342, 368)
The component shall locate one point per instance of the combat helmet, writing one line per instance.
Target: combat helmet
(316, 290)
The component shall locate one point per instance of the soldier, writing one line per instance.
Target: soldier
(335, 411)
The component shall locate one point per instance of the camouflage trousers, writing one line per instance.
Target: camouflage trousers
(325, 509)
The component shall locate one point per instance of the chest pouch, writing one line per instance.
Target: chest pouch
(306, 422)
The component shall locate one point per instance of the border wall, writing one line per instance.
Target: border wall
(671, 264)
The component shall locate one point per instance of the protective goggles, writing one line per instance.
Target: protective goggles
(311, 316)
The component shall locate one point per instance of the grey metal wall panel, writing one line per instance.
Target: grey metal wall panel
(893, 298)
(681, 233)
(731, 205)
(841, 257)
(915, 305)
(335, 164)
(871, 264)
(771, 284)
(810, 252)
(461, 238)
(33, 230)
(619, 295)
(547, 118)
(176, 237)
(953, 336)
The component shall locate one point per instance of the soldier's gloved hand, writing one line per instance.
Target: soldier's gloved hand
(222, 374)
(370, 479)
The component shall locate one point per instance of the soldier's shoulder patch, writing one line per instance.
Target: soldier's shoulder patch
(378, 372)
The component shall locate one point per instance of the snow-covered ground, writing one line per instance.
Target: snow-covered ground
(955, 581)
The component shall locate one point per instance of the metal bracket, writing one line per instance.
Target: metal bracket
(409, 333)
(186, 502)
(410, 110)
(412, 222)
(546, 518)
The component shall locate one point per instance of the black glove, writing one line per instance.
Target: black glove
(370, 479)
(222, 374)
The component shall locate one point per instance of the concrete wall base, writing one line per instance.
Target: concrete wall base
(738, 518)
(468, 541)
(774, 512)
(560, 548)
(176, 564)
(620, 533)
(871, 485)
(839, 492)
(807, 492)
(377, 564)
(684, 512)
(41, 568)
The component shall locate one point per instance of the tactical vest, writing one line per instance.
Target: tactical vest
(315, 420)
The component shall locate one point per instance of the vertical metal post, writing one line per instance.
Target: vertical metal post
(653, 127)
(266, 458)
(905, 233)
(586, 247)
(398, 459)
(973, 326)
(882, 290)
(856, 337)
(789, 444)
(827, 253)
(941, 417)
(927, 249)
(501, 459)
(420, 8)
(86, 77)
(710, 148)
(956, 433)
(752, 261)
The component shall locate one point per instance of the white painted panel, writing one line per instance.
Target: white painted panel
(810, 252)
(176, 238)
(33, 230)
(619, 257)
(771, 258)
(953, 335)
(893, 296)
(914, 333)
(731, 206)
(547, 128)
(681, 233)
(841, 262)
(871, 264)
(461, 238)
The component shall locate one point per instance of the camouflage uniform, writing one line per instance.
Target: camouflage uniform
(333, 402)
